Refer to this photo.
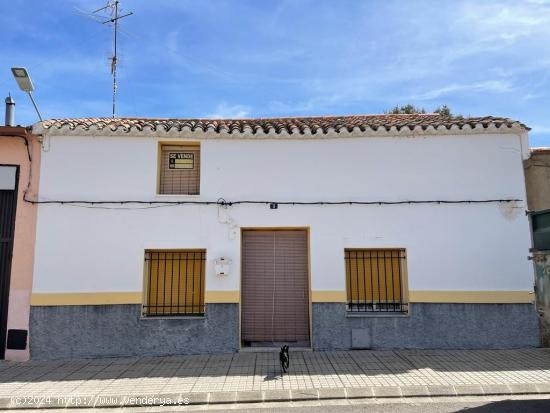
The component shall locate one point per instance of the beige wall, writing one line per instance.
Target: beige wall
(537, 179)
(14, 152)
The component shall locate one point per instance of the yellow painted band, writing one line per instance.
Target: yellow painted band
(85, 298)
(489, 297)
(50, 299)
(318, 296)
(221, 296)
(328, 296)
(416, 296)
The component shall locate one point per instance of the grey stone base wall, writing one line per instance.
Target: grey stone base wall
(59, 332)
(428, 326)
(64, 332)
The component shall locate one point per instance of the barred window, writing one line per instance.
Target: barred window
(174, 282)
(375, 280)
(179, 170)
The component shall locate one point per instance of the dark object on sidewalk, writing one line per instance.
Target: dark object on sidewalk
(17, 339)
(284, 358)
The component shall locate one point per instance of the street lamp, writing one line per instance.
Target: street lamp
(25, 84)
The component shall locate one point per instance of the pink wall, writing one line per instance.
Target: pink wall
(14, 152)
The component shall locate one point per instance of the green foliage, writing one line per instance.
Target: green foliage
(407, 110)
(410, 109)
(444, 110)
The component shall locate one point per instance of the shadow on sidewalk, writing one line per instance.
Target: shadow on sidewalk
(511, 406)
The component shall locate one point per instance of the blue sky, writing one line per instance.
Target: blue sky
(222, 58)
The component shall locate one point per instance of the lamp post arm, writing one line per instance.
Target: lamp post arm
(35, 107)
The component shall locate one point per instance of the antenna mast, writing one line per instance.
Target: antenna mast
(114, 6)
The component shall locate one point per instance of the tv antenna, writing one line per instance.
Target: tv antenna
(112, 8)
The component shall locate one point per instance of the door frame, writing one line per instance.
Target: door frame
(306, 229)
(5, 294)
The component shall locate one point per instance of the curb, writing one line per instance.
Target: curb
(266, 396)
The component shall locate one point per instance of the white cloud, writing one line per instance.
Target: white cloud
(496, 86)
(225, 111)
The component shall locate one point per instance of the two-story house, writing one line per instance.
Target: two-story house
(179, 236)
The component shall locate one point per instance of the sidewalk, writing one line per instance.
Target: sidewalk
(256, 377)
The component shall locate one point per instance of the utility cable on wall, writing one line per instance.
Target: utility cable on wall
(273, 204)
(29, 156)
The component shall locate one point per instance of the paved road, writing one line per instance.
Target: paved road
(505, 406)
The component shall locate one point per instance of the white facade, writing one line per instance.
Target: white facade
(450, 247)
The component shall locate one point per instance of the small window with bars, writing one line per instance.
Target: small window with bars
(179, 170)
(375, 280)
(174, 282)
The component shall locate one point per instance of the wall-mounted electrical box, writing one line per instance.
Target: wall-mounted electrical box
(223, 266)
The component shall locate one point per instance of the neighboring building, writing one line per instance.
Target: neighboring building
(199, 236)
(18, 179)
(537, 179)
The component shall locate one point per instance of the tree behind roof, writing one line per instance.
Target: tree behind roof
(410, 109)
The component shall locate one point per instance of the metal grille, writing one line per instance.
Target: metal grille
(275, 288)
(181, 176)
(175, 282)
(374, 280)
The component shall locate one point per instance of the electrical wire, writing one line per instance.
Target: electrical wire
(29, 156)
(222, 202)
(119, 208)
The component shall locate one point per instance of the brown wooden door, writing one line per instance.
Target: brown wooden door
(275, 287)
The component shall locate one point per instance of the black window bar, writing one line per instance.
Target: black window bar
(175, 283)
(375, 280)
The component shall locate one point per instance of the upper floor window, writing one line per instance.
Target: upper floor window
(179, 169)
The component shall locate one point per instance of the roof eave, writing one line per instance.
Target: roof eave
(330, 133)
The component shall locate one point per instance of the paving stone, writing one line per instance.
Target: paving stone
(359, 392)
(139, 399)
(108, 401)
(495, 389)
(196, 397)
(543, 388)
(175, 399)
(414, 391)
(219, 397)
(249, 397)
(277, 395)
(523, 388)
(386, 391)
(332, 393)
(309, 394)
(6, 402)
(441, 391)
(469, 390)
(25, 404)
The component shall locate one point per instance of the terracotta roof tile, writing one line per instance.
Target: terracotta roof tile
(289, 125)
